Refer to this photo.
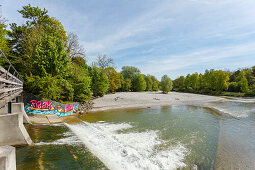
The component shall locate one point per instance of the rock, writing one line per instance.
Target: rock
(193, 167)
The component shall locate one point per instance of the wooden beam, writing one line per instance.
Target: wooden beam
(10, 75)
(4, 90)
(10, 82)
(4, 101)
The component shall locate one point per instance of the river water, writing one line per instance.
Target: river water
(173, 137)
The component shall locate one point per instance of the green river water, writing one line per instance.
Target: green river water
(173, 137)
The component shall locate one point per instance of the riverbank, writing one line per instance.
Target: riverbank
(125, 100)
(122, 100)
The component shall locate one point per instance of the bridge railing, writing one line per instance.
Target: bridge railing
(11, 83)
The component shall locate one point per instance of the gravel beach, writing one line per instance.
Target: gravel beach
(123, 100)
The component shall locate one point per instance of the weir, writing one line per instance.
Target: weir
(12, 115)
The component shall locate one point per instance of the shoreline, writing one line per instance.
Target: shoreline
(133, 100)
(143, 100)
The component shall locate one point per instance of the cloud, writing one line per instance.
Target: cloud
(155, 36)
(199, 57)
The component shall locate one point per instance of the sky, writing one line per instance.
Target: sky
(173, 37)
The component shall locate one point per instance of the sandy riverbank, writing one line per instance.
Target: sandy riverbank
(123, 100)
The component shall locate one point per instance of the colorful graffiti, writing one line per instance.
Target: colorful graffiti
(46, 107)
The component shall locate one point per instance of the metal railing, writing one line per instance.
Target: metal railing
(11, 83)
(15, 73)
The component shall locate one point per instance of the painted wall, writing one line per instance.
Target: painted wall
(50, 107)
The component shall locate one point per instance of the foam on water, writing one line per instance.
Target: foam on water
(70, 139)
(135, 150)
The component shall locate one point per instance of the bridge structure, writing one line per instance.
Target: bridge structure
(11, 83)
(12, 115)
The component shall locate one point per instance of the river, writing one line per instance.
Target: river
(172, 137)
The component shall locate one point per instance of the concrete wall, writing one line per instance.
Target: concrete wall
(7, 158)
(19, 108)
(4, 110)
(13, 131)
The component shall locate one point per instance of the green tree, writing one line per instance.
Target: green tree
(139, 83)
(40, 43)
(191, 82)
(244, 85)
(178, 84)
(114, 79)
(166, 84)
(155, 84)
(126, 84)
(219, 81)
(100, 83)
(81, 82)
(149, 82)
(53, 88)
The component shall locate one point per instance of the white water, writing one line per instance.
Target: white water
(70, 139)
(135, 150)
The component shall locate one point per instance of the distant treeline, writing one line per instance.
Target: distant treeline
(53, 65)
(217, 81)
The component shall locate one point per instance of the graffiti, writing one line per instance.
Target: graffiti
(47, 107)
(69, 108)
(41, 105)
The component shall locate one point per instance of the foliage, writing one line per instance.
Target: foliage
(126, 84)
(149, 82)
(81, 82)
(139, 83)
(244, 85)
(100, 82)
(130, 72)
(114, 79)
(178, 84)
(53, 65)
(218, 82)
(166, 84)
(80, 61)
(53, 88)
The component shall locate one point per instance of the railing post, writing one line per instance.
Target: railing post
(9, 107)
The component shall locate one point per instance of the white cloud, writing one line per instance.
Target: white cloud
(198, 57)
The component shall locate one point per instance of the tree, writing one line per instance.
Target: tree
(4, 43)
(3, 36)
(149, 82)
(219, 81)
(126, 84)
(130, 72)
(81, 82)
(178, 84)
(244, 85)
(155, 83)
(52, 88)
(166, 84)
(253, 70)
(40, 43)
(80, 61)
(139, 83)
(100, 82)
(73, 47)
(114, 79)
(155, 86)
(103, 62)
(191, 82)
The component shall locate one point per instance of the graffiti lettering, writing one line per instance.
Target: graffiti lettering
(41, 105)
(69, 108)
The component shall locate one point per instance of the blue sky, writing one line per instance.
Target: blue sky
(173, 37)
